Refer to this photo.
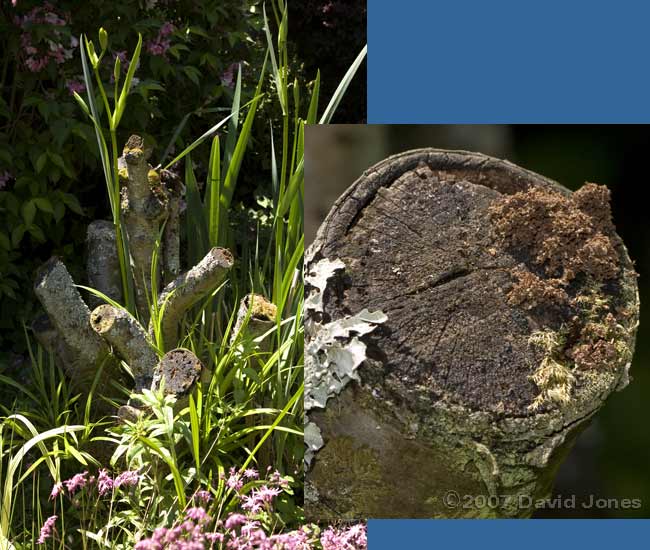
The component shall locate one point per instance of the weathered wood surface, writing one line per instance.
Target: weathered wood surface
(512, 308)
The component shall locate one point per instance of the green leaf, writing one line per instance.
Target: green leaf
(214, 188)
(72, 203)
(37, 233)
(276, 73)
(40, 163)
(313, 102)
(44, 204)
(200, 140)
(17, 235)
(342, 87)
(4, 242)
(193, 74)
(29, 211)
(120, 104)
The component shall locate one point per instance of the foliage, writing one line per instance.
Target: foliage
(48, 155)
(248, 412)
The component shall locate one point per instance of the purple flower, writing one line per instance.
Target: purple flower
(78, 481)
(228, 76)
(75, 86)
(46, 530)
(234, 481)
(203, 496)
(104, 482)
(128, 478)
(198, 515)
(166, 29)
(351, 538)
(233, 520)
(58, 487)
(251, 473)
(294, 540)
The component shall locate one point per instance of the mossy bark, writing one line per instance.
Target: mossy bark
(458, 412)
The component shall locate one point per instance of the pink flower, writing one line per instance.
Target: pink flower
(234, 482)
(128, 478)
(4, 178)
(75, 86)
(46, 530)
(233, 520)
(104, 481)
(36, 65)
(166, 29)
(228, 76)
(198, 515)
(251, 473)
(203, 496)
(78, 481)
(58, 487)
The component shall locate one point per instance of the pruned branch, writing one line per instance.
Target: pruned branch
(120, 329)
(187, 289)
(103, 266)
(256, 316)
(144, 206)
(71, 318)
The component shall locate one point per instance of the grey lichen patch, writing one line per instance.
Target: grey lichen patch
(333, 351)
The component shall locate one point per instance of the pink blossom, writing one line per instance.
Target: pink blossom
(203, 496)
(104, 481)
(4, 178)
(166, 29)
(228, 76)
(251, 473)
(58, 486)
(197, 514)
(46, 530)
(234, 482)
(128, 478)
(78, 481)
(36, 65)
(234, 520)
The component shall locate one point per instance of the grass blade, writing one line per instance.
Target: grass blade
(342, 87)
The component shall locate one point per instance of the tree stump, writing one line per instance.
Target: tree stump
(490, 313)
(81, 342)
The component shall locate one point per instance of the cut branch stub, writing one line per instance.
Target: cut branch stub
(181, 370)
(85, 351)
(512, 309)
(144, 205)
(103, 266)
(187, 289)
(130, 340)
(261, 315)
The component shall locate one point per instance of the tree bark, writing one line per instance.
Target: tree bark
(85, 351)
(122, 331)
(511, 308)
(178, 371)
(103, 266)
(144, 206)
(187, 289)
(261, 315)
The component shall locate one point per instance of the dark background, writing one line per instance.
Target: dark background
(611, 459)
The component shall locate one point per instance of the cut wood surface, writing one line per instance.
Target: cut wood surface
(511, 309)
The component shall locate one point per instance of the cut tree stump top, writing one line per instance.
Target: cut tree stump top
(488, 274)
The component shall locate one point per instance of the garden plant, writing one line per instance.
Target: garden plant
(171, 415)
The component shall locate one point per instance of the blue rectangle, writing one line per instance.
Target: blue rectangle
(508, 534)
(508, 61)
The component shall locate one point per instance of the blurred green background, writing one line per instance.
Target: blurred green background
(611, 458)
